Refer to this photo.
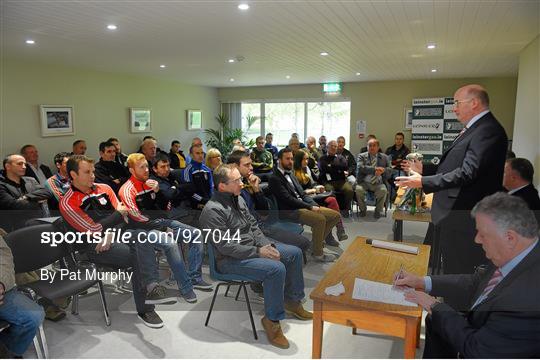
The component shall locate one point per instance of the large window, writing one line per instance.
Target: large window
(283, 119)
(251, 119)
(330, 118)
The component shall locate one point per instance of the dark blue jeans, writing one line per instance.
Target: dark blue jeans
(282, 280)
(24, 316)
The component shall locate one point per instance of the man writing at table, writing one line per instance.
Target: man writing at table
(503, 316)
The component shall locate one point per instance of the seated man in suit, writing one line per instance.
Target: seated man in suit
(503, 315)
(294, 204)
(23, 314)
(108, 171)
(517, 179)
(22, 195)
(278, 266)
(374, 169)
(34, 169)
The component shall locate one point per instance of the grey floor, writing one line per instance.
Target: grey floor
(229, 333)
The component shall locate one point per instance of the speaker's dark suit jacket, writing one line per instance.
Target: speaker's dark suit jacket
(470, 169)
(46, 171)
(505, 325)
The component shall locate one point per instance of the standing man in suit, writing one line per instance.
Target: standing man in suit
(517, 180)
(469, 170)
(374, 170)
(295, 205)
(34, 169)
(503, 311)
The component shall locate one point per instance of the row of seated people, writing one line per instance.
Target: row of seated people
(94, 207)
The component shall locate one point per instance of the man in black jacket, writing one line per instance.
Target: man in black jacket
(295, 205)
(503, 300)
(173, 194)
(518, 176)
(107, 170)
(470, 169)
(21, 197)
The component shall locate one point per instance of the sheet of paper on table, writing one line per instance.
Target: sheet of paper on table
(379, 292)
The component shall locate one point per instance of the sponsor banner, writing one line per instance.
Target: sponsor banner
(427, 137)
(431, 126)
(452, 126)
(427, 147)
(429, 101)
(428, 112)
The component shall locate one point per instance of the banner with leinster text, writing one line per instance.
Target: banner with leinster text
(434, 127)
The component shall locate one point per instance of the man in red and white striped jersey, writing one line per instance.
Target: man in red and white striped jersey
(94, 208)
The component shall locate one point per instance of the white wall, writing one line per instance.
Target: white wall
(527, 119)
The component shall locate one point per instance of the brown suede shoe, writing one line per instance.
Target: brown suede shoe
(274, 333)
(296, 309)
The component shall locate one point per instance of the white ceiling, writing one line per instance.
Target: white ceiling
(383, 40)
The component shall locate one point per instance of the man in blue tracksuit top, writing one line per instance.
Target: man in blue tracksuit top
(201, 177)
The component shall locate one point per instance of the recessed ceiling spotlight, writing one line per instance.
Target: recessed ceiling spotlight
(431, 46)
(357, 74)
(288, 77)
(30, 42)
(231, 79)
(162, 66)
(243, 6)
(231, 60)
(324, 53)
(433, 70)
(112, 27)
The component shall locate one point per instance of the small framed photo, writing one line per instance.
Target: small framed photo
(56, 120)
(408, 118)
(194, 119)
(140, 120)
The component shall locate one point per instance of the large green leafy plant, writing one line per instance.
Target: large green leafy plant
(223, 138)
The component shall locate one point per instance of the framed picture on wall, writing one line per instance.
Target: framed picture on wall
(56, 120)
(194, 119)
(408, 118)
(140, 120)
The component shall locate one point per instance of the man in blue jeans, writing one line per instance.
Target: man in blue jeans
(139, 196)
(23, 315)
(243, 249)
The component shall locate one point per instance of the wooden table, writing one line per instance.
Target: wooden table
(369, 263)
(399, 215)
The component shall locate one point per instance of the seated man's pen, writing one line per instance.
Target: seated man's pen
(399, 274)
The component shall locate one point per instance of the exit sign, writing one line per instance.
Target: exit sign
(332, 88)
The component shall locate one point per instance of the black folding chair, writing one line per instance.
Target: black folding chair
(30, 254)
